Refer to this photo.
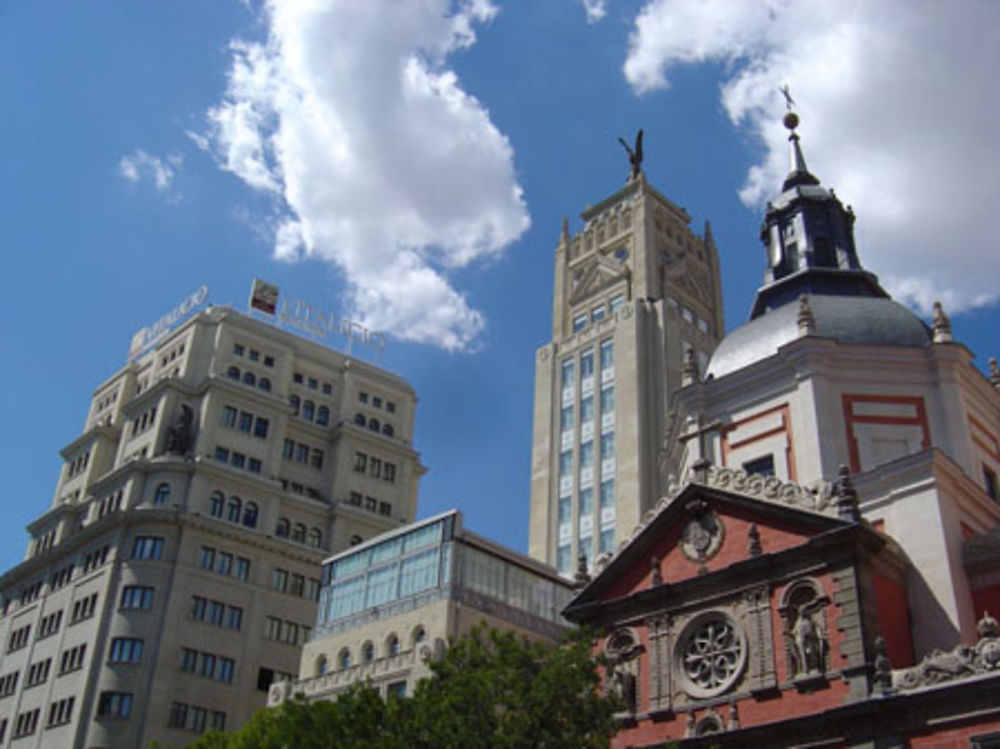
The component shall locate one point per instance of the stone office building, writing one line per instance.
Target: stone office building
(176, 573)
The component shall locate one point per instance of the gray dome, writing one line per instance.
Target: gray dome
(875, 321)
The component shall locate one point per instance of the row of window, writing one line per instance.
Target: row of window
(207, 665)
(253, 354)
(125, 650)
(295, 584)
(96, 558)
(376, 402)
(300, 452)
(249, 379)
(237, 459)
(223, 563)
(30, 592)
(49, 624)
(568, 368)
(244, 421)
(193, 718)
(597, 313)
(367, 652)
(311, 382)
(106, 401)
(370, 503)
(234, 510)
(110, 503)
(78, 465)
(375, 467)
(61, 577)
(217, 613)
(38, 672)
(282, 630)
(172, 355)
(143, 421)
(307, 410)
(47, 540)
(374, 425)
(297, 533)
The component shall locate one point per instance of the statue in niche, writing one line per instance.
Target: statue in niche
(804, 628)
(179, 433)
(621, 673)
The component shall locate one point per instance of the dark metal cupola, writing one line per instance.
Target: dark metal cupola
(809, 238)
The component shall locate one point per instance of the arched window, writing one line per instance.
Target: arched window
(315, 538)
(419, 635)
(392, 645)
(293, 401)
(215, 504)
(249, 378)
(299, 533)
(344, 659)
(233, 373)
(373, 424)
(321, 665)
(250, 515)
(308, 410)
(233, 509)
(162, 494)
(387, 430)
(355, 540)
(359, 419)
(323, 416)
(368, 652)
(264, 384)
(282, 528)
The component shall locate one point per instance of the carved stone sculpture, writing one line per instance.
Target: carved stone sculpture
(634, 155)
(957, 663)
(179, 434)
(803, 617)
(622, 672)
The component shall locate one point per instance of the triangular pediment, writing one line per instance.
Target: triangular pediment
(688, 281)
(709, 526)
(595, 276)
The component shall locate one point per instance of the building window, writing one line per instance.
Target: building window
(344, 659)
(279, 579)
(360, 462)
(565, 509)
(242, 571)
(315, 538)
(295, 403)
(587, 364)
(308, 410)
(607, 540)
(607, 354)
(72, 659)
(60, 712)
(607, 493)
(563, 559)
(586, 454)
(299, 532)
(250, 515)
(566, 418)
(125, 650)
(389, 472)
(385, 508)
(387, 430)
(229, 416)
(390, 407)
(374, 424)
(587, 409)
(597, 313)
(396, 690)
(162, 494)
(233, 373)
(115, 705)
(147, 547)
(38, 672)
(323, 416)
(376, 402)
(260, 427)
(26, 723)
(586, 502)
(137, 597)
(607, 446)
(990, 483)
(579, 323)
(763, 466)
(298, 378)
(368, 652)
(362, 397)
(608, 400)
(206, 559)
(249, 378)
(565, 462)
(281, 530)
(215, 504)
(264, 384)
(392, 645)
(568, 373)
(233, 509)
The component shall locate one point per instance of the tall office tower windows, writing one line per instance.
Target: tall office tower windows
(607, 494)
(566, 418)
(587, 409)
(608, 400)
(586, 454)
(568, 374)
(586, 364)
(607, 446)
(566, 463)
(564, 558)
(565, 509)
(607, 355)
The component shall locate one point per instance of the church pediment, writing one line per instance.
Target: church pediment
(686, 280)
(711, 525)
(593, 277)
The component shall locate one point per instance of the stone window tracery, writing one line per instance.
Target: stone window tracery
(711, 655)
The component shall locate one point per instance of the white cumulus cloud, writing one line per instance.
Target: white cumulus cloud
(898, 114)
(349, 116)
(141, 165)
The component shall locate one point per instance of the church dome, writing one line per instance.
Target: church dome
(856, 320)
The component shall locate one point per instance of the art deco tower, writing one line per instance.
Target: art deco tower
(634, 292)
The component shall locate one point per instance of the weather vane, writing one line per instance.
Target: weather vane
(786, 92)
(634, 154)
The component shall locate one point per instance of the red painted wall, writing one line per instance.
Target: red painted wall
(987, 599)
(893, 615)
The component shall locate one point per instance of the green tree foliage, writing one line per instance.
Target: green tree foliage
(491, 690)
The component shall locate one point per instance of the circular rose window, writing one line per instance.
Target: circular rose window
(710, 655)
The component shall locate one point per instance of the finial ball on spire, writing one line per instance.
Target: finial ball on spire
(791, 120)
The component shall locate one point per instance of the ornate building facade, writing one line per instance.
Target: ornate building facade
(176, 573)
(821, 565)
(634, 291)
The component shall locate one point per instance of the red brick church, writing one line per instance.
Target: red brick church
(822, 566)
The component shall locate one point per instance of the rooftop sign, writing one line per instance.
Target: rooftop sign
(145, 338)
(312, 319)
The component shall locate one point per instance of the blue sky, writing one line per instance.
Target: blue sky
(409, 164)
